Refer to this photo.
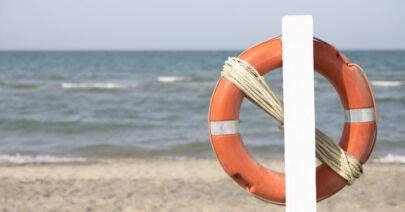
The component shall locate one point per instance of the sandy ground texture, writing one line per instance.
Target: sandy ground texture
(173, 185)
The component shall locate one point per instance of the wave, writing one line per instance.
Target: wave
(21, 159)
(106, 86)
(171, 79)
(388, 83)
(390, 158)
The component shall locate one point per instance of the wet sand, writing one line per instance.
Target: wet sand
(173, 185)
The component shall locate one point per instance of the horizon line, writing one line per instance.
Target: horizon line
(167, 50)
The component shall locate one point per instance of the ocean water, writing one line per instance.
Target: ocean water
(73, 106)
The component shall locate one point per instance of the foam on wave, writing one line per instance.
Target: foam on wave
(388, 83)
(107, 86)
(390, 158)
(21, 159)
(171, 79)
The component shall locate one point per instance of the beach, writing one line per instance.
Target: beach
(127, 131)
(173, 185)
(112, 105)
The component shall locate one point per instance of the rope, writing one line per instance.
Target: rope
(249, 81)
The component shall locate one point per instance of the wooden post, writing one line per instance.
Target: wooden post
(299, 113)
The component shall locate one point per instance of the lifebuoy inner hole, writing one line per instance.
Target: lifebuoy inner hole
(259, 131)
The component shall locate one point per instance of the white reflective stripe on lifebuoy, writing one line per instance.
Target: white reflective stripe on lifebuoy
(359, 115)
(224, 127)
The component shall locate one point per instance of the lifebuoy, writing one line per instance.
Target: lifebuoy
(358, 136)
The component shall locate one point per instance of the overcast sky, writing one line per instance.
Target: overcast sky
(188, 24)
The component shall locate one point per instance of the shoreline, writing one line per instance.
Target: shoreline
(146, 184)
(51, 158)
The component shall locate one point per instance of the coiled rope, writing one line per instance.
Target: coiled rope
(249, 81)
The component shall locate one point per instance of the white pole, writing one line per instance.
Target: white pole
(299, 113)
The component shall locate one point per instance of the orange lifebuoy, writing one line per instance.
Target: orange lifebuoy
(358, 136)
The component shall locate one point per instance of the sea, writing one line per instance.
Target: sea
(62, 106)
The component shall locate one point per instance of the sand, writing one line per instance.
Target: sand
(173, 185)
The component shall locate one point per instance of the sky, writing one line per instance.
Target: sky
(193, 25)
